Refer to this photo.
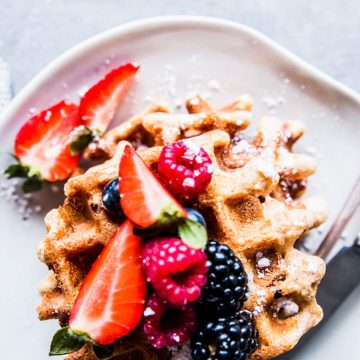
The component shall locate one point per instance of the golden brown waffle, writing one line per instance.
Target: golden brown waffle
(252, 204)
(156, 126)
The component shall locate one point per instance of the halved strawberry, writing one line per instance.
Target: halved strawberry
(144, 200)
(100, 103)
(41, 145)
(111, 300)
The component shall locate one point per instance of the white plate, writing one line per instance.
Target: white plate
(178, 54)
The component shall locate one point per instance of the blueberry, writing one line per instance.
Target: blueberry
(195, 216)
(111, 200)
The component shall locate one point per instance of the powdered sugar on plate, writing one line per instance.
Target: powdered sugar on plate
(167, 86)
(23, 203)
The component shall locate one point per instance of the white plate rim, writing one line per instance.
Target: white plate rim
(175, 21)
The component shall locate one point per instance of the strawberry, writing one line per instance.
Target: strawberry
(100, 103)
(111, 300)
(150, 206)
(41, 145)
(110, 303)
(144, 200)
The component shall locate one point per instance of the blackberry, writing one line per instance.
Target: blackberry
(233, 338)
(226, 287)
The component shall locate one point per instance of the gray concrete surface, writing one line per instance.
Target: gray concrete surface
(326, 33)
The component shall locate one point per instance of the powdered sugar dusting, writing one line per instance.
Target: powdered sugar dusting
(214, 85)
(272, 103)
(261, 300)
(25, 204)
(243, 146)
(194, 101)
(189, 182)
(267, 169)
(195, 148)
(284, 308)
(77, 132)
(263, 263)
(149, 312)
(182, 353)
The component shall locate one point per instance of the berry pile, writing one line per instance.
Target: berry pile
(226, 288)
(232, 338)
(189, 281)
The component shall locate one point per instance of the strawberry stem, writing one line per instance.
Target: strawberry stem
(81, 137)
(33, 179)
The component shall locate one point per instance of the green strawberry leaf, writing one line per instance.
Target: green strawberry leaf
(192, 233)
(67, 340)
(33, 178)
(17, 170)
(103, 352)
(31, 184)
(83, 136)
(166, 225)
(79, 145)
(148, 232)
(156, 230)
(170, 215)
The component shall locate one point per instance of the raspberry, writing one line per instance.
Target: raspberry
(176, 271)
(185, 169)
(168, 325)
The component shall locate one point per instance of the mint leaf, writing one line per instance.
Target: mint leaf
(192, 233)
(103, 352)
(17, 170)
(67, 340)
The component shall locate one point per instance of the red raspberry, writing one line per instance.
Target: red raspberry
(168, 325)
(176, 271)
(185, 169)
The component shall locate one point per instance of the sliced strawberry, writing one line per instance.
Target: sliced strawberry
(42, 142)
(99, 105)
(111, 300)
(144, 199)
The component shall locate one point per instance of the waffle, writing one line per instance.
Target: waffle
(253, 204)
(156, 126)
